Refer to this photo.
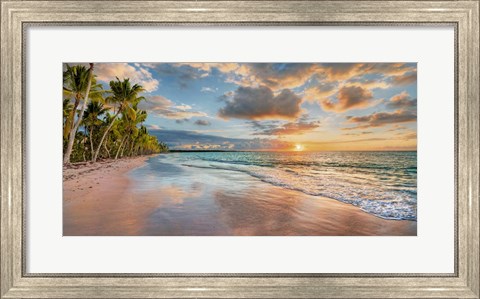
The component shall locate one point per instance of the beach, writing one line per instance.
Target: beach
(151, 196)
(91, 194)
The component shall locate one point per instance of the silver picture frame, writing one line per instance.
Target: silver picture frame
(17, 16)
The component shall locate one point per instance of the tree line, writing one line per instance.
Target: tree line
(99, 123)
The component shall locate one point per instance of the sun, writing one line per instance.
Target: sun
(299, 147)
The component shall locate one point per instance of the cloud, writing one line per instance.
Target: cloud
(107, 72)
(202, 122)
(402, 101)
(190, 140)
(379, 119)
(208, 89)
(155, 103)
(273, 75)
(260, 103)
(208, 66)
(300, 127)
(397, 128)
(387, 69)
(340, 71)
(358, 133)
(226, 96)
(173, 114)
(409, 136)
(277, 75)
(164, 107)
(153, 127)
(181, 121)
(292, 75)
(330, 77)
(204, 146)
(349, 97)
(405, 79)
(183, 74)
(320, 91)
(349, 141)
(325, 89)
(368, 83)
(346, 71)
(294, 128)
(183, 107)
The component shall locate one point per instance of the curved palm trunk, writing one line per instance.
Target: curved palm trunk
(121, 146)
(70, 118)
(127, 141)
(134, 141)
(104, 136)
(71, 139)
(91, 141)
(106, 149)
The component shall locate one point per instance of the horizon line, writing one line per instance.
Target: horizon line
(269, 150)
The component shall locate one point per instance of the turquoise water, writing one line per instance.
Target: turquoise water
(380, 183)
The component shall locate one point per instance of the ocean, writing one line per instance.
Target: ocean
(383, 184)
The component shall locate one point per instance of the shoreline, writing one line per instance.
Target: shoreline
(105, 200)
(72, 170)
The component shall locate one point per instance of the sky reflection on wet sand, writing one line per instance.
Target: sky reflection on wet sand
(196, 202)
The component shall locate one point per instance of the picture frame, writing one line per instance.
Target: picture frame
(18, 15)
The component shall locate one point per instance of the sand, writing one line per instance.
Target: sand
(105, 199)
(92, 191)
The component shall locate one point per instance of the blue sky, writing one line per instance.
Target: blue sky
(276, 106)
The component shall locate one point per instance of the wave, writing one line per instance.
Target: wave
(357, 166)
(392, 205)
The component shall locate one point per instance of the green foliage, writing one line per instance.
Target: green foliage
(111, 125)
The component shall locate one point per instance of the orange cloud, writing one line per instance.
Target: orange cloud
(405, 79)
(294, 75)
(320, 91)
(382, 118)
(368, 84)
(291, 76)
(208, 66)
(340, 71)
(409, 136)
(346, 71)
(402, 100)
(349, 97)
(359, 133)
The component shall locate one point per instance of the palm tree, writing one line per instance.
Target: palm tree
(91, 119)
(163, 146)
(80, 83)
(129, 125)
(123, 95)
(67, 108)
(141, 116)
(148, 144)
(75, 82)
(110, 140)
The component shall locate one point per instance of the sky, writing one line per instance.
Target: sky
(276, 106)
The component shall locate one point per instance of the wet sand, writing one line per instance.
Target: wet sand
(141, 197)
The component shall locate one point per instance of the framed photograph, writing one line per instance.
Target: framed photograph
(252, 149)
(232, 149)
